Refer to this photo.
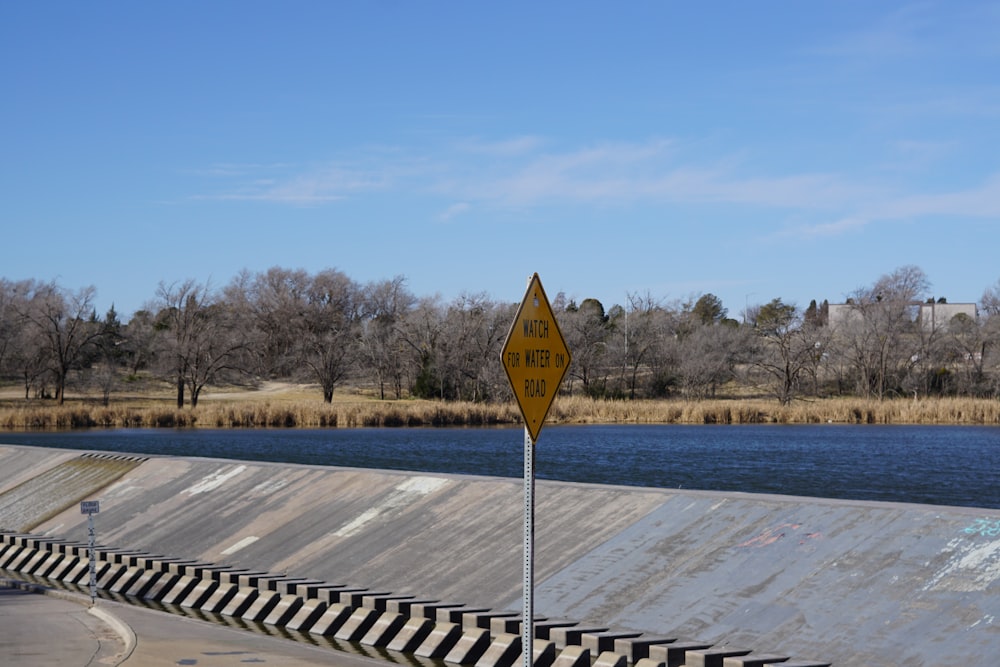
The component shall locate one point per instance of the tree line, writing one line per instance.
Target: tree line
(327, 330)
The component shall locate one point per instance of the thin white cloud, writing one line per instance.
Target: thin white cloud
(310, 187)
(455, 210)
(982, 202)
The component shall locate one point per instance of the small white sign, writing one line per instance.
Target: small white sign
(90, 506)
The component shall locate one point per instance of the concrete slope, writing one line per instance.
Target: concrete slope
(854, 583)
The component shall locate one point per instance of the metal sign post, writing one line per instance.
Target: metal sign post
(535, 358)
(528, 614)
(90, 508)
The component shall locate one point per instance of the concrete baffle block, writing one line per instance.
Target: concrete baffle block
(503, 651)
(610, 659)
(220, 598)
(470, 647)
(146, 581)
(712, 657)
(649, 662)
(330, 621)
(674, 654)
(571, 635)
(240, 602)
(163, 583)
(357, 625)
(173, 592)
(284, 610)
(384, 630)
(637, 648)
(306, 616)
(599, 642)
(440, 641)
(413, 633)
(573, 656)
(261, 606)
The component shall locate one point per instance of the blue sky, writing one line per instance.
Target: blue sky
(749, 149)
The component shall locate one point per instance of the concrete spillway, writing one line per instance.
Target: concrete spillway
(826, 581)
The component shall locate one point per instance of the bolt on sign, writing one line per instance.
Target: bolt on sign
(535, 357)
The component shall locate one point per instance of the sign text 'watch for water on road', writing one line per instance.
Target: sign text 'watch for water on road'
(535, 357)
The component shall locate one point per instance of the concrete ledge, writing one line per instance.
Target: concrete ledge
(121, 628)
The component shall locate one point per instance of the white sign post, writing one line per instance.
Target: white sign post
(535, 358)
(90, 508)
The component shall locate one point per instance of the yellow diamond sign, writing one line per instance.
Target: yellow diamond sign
(535, 357)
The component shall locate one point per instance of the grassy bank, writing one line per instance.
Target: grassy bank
(295, 412)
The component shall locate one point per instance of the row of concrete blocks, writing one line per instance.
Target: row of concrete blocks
(422, 628)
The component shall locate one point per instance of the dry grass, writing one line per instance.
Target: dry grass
(760, 411)
(297, 407)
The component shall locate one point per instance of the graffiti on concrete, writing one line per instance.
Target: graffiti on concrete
(983, 528)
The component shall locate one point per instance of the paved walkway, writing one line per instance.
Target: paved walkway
(61, 629)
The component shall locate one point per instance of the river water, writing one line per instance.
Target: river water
(942, 465)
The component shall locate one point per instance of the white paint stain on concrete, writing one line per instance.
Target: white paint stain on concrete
(402, 494)
(245, 542)
(972, 567)
(215, 480)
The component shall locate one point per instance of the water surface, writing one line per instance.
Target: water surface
(944, 465)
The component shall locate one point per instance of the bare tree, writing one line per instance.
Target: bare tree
(783, 352)
(874, 335)
(60, 321)
(422, 332)
(328, 337)
(201, 339)
(385, 306)
(274, 303)
(586, 330)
